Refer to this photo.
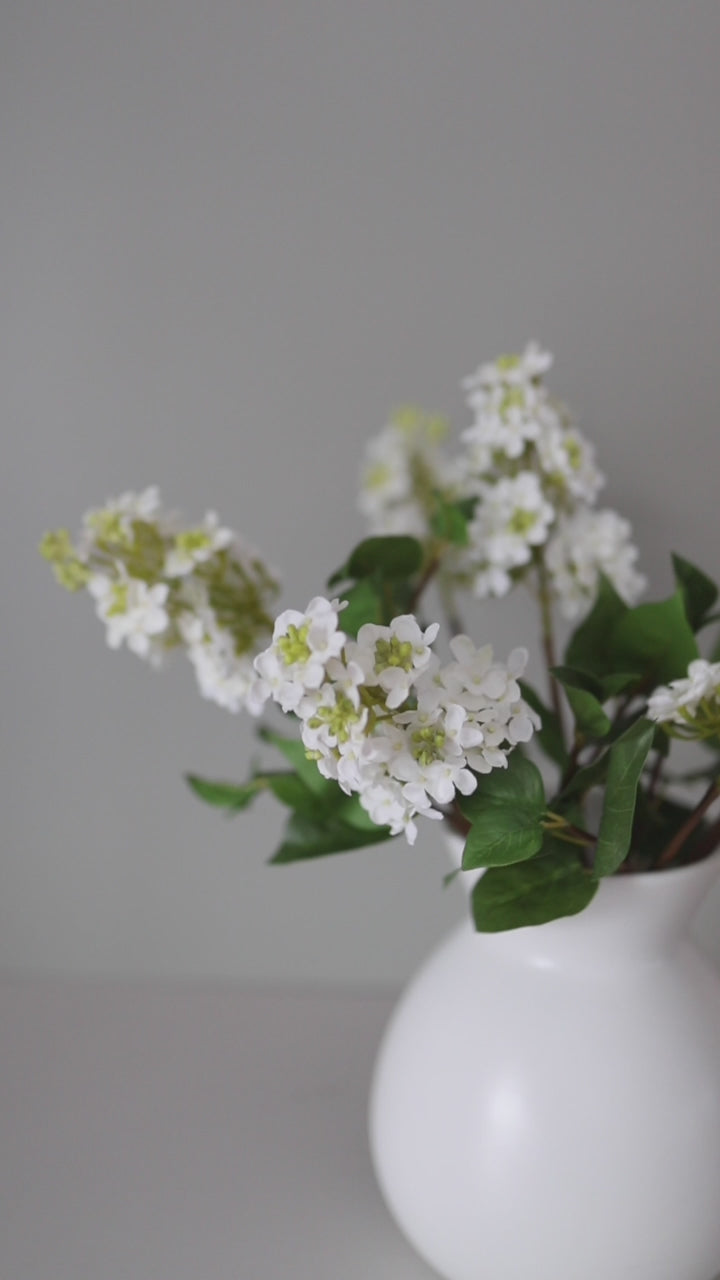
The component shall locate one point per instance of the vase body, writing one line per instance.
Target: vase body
(546, 1102)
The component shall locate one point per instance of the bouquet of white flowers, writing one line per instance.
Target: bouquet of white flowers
(385, 732)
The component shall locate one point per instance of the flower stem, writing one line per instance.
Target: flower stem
(548, 643)
(674, 846)
(425, 579)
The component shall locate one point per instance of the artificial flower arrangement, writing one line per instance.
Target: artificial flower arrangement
(386, 733)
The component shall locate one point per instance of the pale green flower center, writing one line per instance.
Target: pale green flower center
(58, 550)
(110, 526)
(119, 600)
(428, 745)
(294, 646)
(339, 719)
(192, 540)
(703, 722)
(506, 363)
(378, 476)
(415, 422)
(393, 653)
(573, 450)
(513, 398)
(522, 521)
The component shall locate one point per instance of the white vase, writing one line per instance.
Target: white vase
(546, 1102)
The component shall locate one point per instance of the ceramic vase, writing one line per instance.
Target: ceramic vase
(546, 1101)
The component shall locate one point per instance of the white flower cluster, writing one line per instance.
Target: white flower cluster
(533, 476)
(536, 480)
(689, 707)
(403, 467)
(159, 586)
(382, 717)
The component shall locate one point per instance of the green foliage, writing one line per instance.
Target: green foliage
(323, 819)
(394, 556)
(586, 697)
(379, 572)
(364, 604)
(549, 886)
(656, 639)
(225, 795)
(549, 736)
(648, 645)
(589, 647)
(699, 591)
(626, 759)
(294, 751)
(505, 812)
(449, 522)
(305, 838)
(595, 773)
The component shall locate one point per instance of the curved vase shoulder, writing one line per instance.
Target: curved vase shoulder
(546, 1102)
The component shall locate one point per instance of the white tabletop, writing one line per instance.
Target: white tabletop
(189, 1131)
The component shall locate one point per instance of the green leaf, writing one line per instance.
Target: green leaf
(549, 886)
(588, 647)
(699, 591)
(625, 765)
(290, 790)
(305, 839)
(449, 521)
(499, 836)
(294, 751)
(364, 604)
(549, 736)
(593, 775)
(584, 694)
(393, 556)
(617, 682)
(351, 812)
(225, 795)
(505, 813)
(656, 639)
(519, 786)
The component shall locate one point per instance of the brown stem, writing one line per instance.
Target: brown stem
(456, 820)
(709, 842)
(426, 577)
(655, 775)
(447, 600)
(548, 643)
(573, 763)
(674, 846)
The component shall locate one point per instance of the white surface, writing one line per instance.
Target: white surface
(189, 1132)
(234, 236)
(547, 1101)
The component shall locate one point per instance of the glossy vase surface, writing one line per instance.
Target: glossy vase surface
(546, 1102)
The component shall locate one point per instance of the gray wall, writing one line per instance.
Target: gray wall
(234, 235)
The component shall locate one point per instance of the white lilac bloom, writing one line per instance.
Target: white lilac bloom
(513, 370)
(391, 804)
(511, 406)
(490, 695)
(191, 547)
(224, 677)
(393, 657)
(582, 547)
(133, 612)
(511, 518)
(332, 718)
(402, 469)
(692, 702)
(568, 461)
(114, 522)
(302, 645)
(433, 751)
